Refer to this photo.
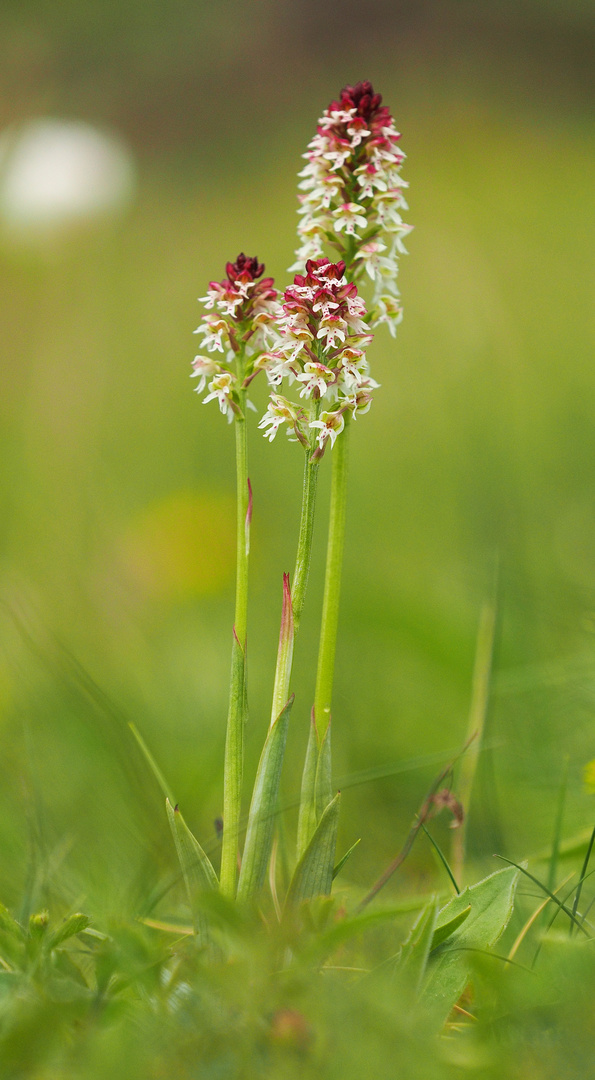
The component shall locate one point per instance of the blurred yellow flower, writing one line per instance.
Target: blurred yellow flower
(589, 776)
(181, 546)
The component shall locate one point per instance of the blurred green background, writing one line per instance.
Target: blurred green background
(116, 486)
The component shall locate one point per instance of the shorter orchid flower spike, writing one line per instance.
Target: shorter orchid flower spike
(240, 324)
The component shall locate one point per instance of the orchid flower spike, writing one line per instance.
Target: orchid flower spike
(322, 338)
(240, 324)
(352, 195)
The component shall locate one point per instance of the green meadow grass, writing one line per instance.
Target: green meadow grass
(116, 570)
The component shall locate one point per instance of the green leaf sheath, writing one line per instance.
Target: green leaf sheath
(332, 584)
(284, 654)
(232, 781)
(263, 809)
(307, 820)
(316, 790)
(313, 875)
(197, 869)
(234, 742)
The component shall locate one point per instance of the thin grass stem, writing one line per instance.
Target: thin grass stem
(480, 695)
(582, 878)
(442, 858)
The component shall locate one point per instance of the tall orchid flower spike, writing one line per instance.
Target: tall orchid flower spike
(322, 338)
(352, 195)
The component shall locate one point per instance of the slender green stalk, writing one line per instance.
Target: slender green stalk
(234, 742)
(242, 524)
(293, 604)
(332, 585)
(304, 548)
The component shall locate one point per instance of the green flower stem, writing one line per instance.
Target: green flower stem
(332, 585)
(234, 742)
(304, 548)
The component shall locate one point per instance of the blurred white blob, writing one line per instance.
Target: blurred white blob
(59, 173)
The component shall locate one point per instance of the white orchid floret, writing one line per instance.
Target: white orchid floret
(265, 326)
(279, 367)
(204, 368)
(347, 216)
(214, 294)
(356, 308)
(370, 254)
(337, 158)
(214, 330)
(334, 329)
(387, 310)
(360, 400)
(357, 129)
(221, 388)
(353, 371)
(371, 179)
(390, 200)
(279, 411)
(330, 425)
(336, 116)
(294, 341)
(318, 380)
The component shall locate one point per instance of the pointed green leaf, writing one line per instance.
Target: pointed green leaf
(196, 866)
(417, 947)
(344, 858)
(313, 875)
(307, 819)
(491, 902)
(74, 924)
(263, 808)
(441, 933)
(150, 760)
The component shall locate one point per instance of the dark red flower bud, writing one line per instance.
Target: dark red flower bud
(245, 267)
(361, 97)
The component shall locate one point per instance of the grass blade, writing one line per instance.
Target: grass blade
(482, 673)
(442, 858)
(197, 869)
(545, 889)
(582, 877)
(343, 860)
